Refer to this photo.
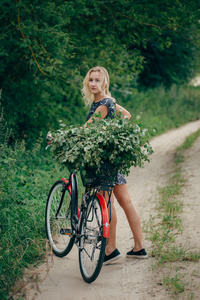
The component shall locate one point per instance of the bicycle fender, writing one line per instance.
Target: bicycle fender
(106, 225)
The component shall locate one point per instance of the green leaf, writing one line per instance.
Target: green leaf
(102, 140)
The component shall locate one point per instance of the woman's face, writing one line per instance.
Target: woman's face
(94, 82)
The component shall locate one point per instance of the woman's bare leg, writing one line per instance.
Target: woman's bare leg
(122, 195)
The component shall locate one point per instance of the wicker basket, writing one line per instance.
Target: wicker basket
(105, 177)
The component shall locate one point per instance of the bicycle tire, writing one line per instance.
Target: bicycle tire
(58, 229)
(92, 243)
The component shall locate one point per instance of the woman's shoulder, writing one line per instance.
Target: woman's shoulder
(107, 101)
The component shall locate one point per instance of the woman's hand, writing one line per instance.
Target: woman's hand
(124, 112)
(49, 138)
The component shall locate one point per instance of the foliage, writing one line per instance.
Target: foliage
(25, 179)
(170, 62)
(117, 141)
(163, 109)
(48, 46)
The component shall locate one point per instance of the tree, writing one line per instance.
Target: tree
(47, 47)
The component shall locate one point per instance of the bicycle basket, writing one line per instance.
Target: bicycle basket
(105, 177)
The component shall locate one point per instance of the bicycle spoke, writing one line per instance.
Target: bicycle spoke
(58, 220)
(92, 243)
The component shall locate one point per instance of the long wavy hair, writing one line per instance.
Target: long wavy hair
(103, 85)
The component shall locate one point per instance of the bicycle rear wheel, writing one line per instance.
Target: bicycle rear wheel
(92, 242)
(58, 220)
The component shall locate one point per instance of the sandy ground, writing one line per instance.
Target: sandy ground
(133, 279)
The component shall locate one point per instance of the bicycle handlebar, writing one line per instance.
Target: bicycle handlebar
(47, 146)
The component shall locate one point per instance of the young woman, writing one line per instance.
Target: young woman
(96, 94)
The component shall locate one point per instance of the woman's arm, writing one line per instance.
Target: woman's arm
(102, 109)
(123, 111)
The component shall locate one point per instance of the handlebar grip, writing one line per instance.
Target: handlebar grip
(47, 147)
(49, 139)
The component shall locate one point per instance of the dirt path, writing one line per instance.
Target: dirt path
(130, 279)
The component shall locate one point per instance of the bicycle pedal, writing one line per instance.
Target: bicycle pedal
(65, 231)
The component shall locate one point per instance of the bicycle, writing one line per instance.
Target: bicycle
(87, 227)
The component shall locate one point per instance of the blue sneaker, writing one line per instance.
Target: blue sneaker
(115, 255)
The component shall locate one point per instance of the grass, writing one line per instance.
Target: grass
(176, 283)
(164, 228)
(163, 109)
(25, 181)
(178, 158)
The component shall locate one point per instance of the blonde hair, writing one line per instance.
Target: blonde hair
(103, 85)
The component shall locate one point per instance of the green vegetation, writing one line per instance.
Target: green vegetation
(188, 143)
(174, 283)
(163, 228)
(26, 177)
(115, 141)
(151, 51)
(163, 109)
(25, 180)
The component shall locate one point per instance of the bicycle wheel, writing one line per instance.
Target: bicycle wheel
(58, 220)
(92, 242)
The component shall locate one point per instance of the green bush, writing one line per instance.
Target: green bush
(25, 179)
(161, 108)
(118, 141)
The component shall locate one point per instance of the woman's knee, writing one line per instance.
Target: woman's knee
(123, 199)
(122, 195)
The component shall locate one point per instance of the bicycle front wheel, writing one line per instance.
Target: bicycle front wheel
(58, 220)
(92, 242)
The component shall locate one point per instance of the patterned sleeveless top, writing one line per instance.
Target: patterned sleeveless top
(110, 105)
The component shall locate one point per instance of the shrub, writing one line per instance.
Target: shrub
(117, 141)
(25, 180)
